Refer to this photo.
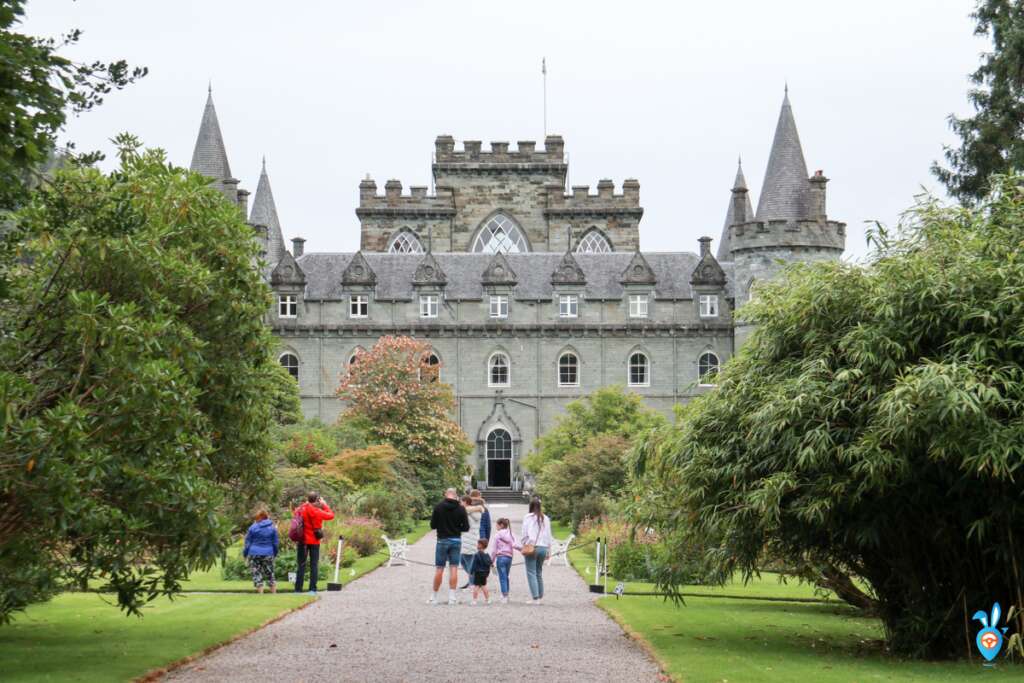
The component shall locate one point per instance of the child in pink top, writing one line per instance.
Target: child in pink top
(501, 553)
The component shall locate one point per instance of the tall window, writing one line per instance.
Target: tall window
(500, 234)
(639, 370)
(287, 306)
(428, 306)
(593, 243)
(431, 371)
(498, 370)
(708, 306)
(568, 370)
(358, 306)
(499, 445)
(499, 306)
(707, 369)
(290, 362)
(568, 306)
(637, 305)
(405, 242)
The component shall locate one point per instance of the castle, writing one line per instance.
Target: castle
(530, 296)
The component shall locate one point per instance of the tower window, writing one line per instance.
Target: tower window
(568, 370)
(287, 306)
(428, 306)
(593, 243)
(358, 306)
(568, 306)
(708, 306)
(405, 242)
(498, 370)
(639, 370)
(500, 234)
(637, 305)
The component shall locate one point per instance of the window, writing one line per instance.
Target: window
(358, 306)
(639, 374)
(431, 370)
(568, 370)
(708, 306)
(290, 362)
(593, 243)
(428, 306)
(637, 305)
(287, 306)
(405, 242)
(499, 306)
(568, 306)
(707, 369)
(500, 234)
(497, 371)
(499, 445)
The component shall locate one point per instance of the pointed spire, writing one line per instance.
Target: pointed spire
(264, 212)
(785, 193)
(209, 156)
(740, 183)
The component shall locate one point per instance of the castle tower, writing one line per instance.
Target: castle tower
(790, 224)
(210, 157)
(264, 218)
(734, 214)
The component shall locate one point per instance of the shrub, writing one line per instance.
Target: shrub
(364, 466)
(393, 507)
(628, 561)
(292, 484)
(363, 534)
(237, 568)
(590, 506)
(308, 446)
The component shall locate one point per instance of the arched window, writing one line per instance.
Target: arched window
(593, 243)
(639, 370)
(290, 362)
(500, 234)
(405, 242)
(356, 352)
(568, 370)
(431, 370)
(707, 369)
(498, 370)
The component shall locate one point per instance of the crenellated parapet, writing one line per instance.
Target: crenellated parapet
(822, 235)
(395, 203)
(499, 157)
(606, 202)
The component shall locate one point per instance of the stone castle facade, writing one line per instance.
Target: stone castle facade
(530, 296)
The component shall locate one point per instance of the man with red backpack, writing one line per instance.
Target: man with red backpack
(307, 531)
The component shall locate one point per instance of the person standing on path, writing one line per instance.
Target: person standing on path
(485, 517)
(314, 512)
(501, 553)
(261, 545)
(474, 514)
(536, 542)
(449, 519)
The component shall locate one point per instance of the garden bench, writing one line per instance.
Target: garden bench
(397, 549)
(561, 547)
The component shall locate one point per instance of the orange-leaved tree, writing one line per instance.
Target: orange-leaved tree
(393, 390)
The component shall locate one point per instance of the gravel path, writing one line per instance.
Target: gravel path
(379, 628)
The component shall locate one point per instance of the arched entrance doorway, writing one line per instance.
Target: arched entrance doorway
(499, 459)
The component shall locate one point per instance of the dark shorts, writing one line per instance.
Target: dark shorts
(447, 550)
(480, 579)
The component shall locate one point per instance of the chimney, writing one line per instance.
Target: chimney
(705, 246)
(817, 207)
(298, 246)
(739, 205)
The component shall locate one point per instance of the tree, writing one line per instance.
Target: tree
(286, 403)
(393, 392)
(574, 487)
(874, 422)
(136, 378)
(992, 141)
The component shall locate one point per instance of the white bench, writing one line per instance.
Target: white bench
(561, 547)
(397, 549)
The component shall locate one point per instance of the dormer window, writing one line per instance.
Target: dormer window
(708, 306)
(358, 306)
(499, 306)
(428, 306)
(637, 305)
(568, 306)
(287, 306)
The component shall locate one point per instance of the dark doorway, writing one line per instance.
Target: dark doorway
(499, 459)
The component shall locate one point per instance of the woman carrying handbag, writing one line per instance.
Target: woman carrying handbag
(536, 541)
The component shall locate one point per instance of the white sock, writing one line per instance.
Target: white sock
(433, 596)
(452, 594)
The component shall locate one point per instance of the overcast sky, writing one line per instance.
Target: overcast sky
(669, 93)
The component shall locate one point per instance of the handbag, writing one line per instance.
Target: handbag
(530, 549)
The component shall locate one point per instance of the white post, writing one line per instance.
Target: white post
(605, 591)
(597, 565)
(337, 560)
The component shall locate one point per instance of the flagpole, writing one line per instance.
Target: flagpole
(544, 72)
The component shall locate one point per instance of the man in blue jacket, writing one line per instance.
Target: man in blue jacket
(261, 544)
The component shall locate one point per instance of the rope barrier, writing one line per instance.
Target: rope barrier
(514, 564)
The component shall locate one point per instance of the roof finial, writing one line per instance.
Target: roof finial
(264, 163)
(209, 87)
(739, 160)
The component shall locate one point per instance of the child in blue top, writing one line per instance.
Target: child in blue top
(480, 569)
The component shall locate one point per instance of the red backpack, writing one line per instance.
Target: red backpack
(295, 531)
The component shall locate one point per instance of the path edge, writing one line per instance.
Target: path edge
(637, 638)
(156, 674)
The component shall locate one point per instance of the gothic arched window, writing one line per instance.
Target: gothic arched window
(499, 445)
(290, 362)
(405, 242)
(498, 370)
(568, 370)
(593, 243)
(707, 369)
(639, 369)
(500, 234)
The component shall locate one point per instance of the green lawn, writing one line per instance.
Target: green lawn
(82, 637)
(737, 640)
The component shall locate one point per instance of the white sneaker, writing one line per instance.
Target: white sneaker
(488, 601)
(504, 600)
(473, 603)
(432, 600)
(453, 601)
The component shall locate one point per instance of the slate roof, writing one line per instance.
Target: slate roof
(264, 212)
(786, 190)
(724, 244)
(209, 156)
(464, 271)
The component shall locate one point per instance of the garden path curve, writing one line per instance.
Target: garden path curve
(379, 628)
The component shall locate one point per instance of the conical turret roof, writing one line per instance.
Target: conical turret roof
(785, 193)
(724, 245)
(209, 156)
(264, 212)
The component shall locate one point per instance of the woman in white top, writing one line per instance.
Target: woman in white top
(469, 539)
(536, 532)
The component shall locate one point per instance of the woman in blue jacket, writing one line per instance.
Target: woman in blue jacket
(261, 549)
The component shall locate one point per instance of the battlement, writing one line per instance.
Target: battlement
(605, 201)
(760, 235)
(393, 201)
(472, 153)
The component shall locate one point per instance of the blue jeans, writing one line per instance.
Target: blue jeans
(504, 564)
(447, 551)
(535, 571)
